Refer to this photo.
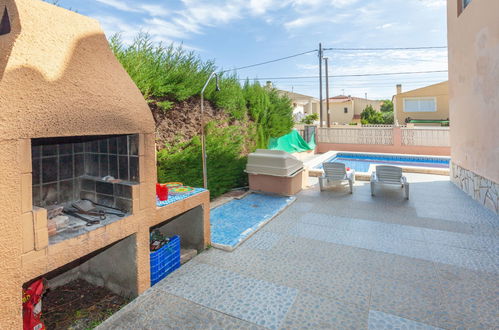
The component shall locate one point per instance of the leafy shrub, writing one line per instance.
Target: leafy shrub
(387, 106)
(388, 118)
(309, 119)
(225, 160)
(230, 97)
(169, 74)
(162, 72)
(371, 116)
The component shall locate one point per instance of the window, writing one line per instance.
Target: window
(420, 104)
(461, 5)
(5, 23)
(345, 110)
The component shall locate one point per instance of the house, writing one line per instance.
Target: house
(71, 118)
(425, 106)
(473, 42)
(302, 104)
(347, 109)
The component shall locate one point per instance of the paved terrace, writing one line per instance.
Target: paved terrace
(334, 260)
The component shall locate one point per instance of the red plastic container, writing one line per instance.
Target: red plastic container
(162, 191)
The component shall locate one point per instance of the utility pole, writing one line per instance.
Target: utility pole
(327, 91)
(320, 82)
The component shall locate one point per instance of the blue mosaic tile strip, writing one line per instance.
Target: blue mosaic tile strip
(381, 321)
(235, 221)
(176, 198)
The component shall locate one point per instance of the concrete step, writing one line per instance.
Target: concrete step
(187, 254)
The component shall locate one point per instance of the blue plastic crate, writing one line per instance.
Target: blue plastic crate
(165, 260)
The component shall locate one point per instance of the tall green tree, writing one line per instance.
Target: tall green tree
(387, 106)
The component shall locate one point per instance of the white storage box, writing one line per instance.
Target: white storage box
(274, 171)
(273, 162)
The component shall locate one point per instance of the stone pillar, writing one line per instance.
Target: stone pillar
(11, 243)
(397, 137)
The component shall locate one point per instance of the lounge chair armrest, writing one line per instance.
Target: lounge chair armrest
(373, 176)
(403, 180)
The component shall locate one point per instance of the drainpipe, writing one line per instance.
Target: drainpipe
(203, 141)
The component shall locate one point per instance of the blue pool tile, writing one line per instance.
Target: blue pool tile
(361, 162)
(381, 321)
(235, 221)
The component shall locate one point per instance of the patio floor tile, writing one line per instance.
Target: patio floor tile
(338, 261)
(247, 298)
(316, 312)
(381, 321)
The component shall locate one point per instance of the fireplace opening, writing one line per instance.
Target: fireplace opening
(84, 182)
(113, 267)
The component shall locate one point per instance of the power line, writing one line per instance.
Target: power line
(271, 61)
(389, 48)
(339, 49)
(351, 75)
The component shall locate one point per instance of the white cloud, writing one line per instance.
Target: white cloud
(303, 22)
(434, 3)
(384, 26)
(154, 10)
(149, 9)
(120, 5)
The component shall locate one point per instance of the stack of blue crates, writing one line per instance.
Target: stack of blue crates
(165, 260)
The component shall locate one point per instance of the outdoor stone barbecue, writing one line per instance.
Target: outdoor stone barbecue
(73, 125)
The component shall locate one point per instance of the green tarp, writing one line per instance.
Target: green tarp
(292, 142)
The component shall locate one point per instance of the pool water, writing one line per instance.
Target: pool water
(361, 162)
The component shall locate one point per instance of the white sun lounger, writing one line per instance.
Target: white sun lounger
(336, 173)
(391, 175)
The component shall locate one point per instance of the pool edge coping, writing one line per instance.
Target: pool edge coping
(365, 176)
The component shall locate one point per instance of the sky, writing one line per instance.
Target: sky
(237, 33)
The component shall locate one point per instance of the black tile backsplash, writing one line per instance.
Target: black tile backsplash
(50, 169)
(113, 145)
(103, 164)
(105, 200)
(123, 167)
(49, 150)
(35, 165)
(66, 167)
(122, 145)
(103, 147)
(49, 194)
(66, 190)
(133, 144)
(104, 188)
(66, 149)
(134, 168)
(113, 166)
(60, 163)
(87, 184)
(79, 164)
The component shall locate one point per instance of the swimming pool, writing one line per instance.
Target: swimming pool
(361, 162)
